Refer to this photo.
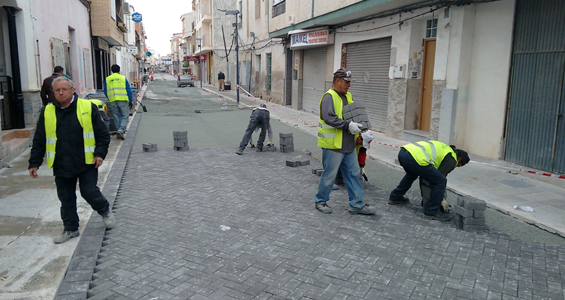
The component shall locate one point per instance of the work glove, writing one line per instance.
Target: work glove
(363, 174)
(269, 144)
(445, 206)
(130, 105)
(354, 128)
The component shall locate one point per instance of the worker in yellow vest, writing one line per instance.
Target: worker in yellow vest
(336, 137)
(74, 140)
(118, 91)
(432, 161)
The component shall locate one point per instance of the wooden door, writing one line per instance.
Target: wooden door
(427, 85)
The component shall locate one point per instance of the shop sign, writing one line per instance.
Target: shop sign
(311, 39)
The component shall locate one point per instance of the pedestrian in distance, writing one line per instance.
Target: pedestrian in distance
(74, 140)
(259, 118)
(336, 137)
(432, 161)
(46, 93)
(221, 78)
(118, 91)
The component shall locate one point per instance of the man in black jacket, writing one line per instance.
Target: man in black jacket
(221, 78)
(47, 95)
(81, 146)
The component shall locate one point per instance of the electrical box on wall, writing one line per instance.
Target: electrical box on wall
(399, 71)
(290, 20)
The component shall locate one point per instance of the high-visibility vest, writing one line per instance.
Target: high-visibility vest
(330, 137)
(429, 152)
(101, 105)
(84, 115)
(116, 88)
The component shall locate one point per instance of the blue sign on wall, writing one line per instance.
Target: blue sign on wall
(136, 17)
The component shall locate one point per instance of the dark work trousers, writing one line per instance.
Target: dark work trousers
(436, 179)
(259, 117)
(66, 191)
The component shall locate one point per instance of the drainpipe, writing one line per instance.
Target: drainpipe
(19, 119)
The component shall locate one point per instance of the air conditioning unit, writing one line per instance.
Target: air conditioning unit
(290, 20)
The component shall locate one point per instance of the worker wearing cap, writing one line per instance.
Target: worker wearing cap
(336, 137)
(432, 161)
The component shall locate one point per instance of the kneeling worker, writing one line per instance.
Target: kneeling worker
(432, 161)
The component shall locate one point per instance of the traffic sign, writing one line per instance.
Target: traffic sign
(136, 17)
(148, 53)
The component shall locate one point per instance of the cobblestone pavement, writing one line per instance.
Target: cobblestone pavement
(172, 240)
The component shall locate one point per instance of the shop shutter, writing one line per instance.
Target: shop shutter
(369, 63)
(314, 79)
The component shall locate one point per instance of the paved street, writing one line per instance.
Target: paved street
(208, 224)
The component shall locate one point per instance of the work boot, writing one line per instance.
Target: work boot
(239, 152)
(120, 135)
(400, 201)
(65, 236)
(324, 208)
(109, 219)
(259, 150)
(438, 216)
(365, 210)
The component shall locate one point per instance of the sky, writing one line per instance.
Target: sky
(161, 19)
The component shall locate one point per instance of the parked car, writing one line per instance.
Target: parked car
(184, 80)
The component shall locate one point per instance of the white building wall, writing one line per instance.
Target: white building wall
(53, 19)
(489, 78)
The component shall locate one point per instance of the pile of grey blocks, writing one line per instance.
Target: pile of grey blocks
(181, 140)
(470, 213)
(357, 113)
(317, 172)
(286, 142)
(298, 161)
(148, 147)
(271, 148)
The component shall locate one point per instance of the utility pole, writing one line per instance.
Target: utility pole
(236, 12)
(199, 60)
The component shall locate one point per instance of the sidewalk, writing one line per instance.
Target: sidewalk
(501, 184)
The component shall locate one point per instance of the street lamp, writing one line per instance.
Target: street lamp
(199, 60)
(236, 12)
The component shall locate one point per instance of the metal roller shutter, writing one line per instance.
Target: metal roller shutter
(314, 79)
(369, 63)
(535, 124)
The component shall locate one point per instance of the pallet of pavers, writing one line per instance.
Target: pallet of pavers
(470, 213)
(357, 113)
(180, 140)
(149, 147)
(286, 142)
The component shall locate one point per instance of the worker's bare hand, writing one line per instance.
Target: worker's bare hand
(98, 162)
(33, 172)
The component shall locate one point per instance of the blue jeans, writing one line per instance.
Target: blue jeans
(347, 163)
(120, 110)
(437, 181)
(66, 191)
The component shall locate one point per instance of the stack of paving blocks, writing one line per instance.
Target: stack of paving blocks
(181, 140)
(271, 148)
(298, 161)
(148, 147)
(286, 142)
(357, 113)
(317, 172)
(470, 213)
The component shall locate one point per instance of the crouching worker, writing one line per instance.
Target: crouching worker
(260, 118)
(431, 161)
(74, 140)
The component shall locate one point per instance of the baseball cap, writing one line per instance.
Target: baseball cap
(368, 137)
(343, 73)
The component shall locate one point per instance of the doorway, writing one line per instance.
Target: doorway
(427, 85)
